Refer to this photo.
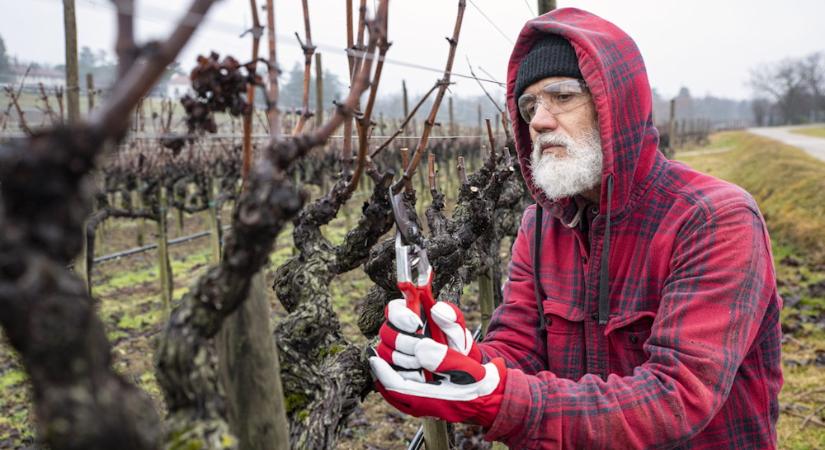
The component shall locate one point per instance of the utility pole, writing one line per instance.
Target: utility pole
(72, 77)
(546, 6)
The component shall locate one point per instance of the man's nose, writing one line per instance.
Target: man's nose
(544, 120)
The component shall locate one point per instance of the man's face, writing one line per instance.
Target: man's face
(567, 158)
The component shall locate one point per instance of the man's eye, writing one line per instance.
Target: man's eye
(563, 98)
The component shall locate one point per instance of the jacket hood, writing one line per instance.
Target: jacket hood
(615, 73)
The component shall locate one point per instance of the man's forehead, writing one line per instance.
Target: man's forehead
(536, 86)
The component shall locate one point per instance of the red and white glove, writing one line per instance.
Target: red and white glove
(464, 390)
(403, 328)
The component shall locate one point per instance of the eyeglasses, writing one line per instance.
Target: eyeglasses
(557, 97)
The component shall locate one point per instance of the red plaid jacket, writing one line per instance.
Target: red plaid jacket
(689, 356)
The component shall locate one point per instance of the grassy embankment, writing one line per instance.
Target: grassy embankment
(789, 186)
(816, 131)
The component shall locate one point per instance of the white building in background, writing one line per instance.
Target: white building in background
(49, 77)
(178, 86)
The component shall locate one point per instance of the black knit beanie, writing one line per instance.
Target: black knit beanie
(552, 56)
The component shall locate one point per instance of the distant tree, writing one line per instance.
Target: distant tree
(684, 104)
(795, 87)
(86, 60)
(171, 70)
(98, 64)
(5, 64)
(291, 92)
(812, 72)
(761, 109)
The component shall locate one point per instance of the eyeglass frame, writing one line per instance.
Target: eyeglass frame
(584, 91)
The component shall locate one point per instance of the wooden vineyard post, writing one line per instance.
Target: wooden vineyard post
(405, 159)
(319, 91)
(479, 120)
(451, 128)
(486, 298)
(164, 267)
(80, 265)
(137, 200)
(90, 91)
(214, 222)
(546, 6)
(406, 101)
(248, 359)
(260, 424)
(72, 82)
(671, 129)
(436, 434)
(180, 218)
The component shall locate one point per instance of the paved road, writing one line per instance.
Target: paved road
(813, 145)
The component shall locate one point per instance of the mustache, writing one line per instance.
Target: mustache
(548, 139)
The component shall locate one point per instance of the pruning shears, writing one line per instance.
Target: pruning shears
(413, 270)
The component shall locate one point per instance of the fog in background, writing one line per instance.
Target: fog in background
(707, 49)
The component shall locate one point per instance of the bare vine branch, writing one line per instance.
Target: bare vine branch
(406, 121)
(365, 122)
(309, 50)
(14, 100)
(257, 32)
(495, 103)
(430, 122)
(272, 112)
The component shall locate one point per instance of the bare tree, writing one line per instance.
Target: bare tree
(795, 87)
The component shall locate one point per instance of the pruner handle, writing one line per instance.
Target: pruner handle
(420, 300)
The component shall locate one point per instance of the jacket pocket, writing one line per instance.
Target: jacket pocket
(565, 339)
(626, 336)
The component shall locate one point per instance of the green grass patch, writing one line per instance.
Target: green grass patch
(787, 183)
(140, 321)
(801, 396)
(12, 378)
(818, 132)
(128, 278)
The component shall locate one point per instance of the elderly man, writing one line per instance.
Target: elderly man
(641, 308)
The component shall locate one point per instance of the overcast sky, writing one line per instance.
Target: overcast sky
(706, 45)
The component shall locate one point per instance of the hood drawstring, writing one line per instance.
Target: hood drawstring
(537, 290)
(604, 276)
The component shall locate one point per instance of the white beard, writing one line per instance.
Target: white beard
(578, 171)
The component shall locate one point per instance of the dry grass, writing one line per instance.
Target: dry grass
(817, 131)
(788, 184)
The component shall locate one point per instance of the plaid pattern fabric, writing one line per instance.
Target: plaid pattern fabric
(690, 356)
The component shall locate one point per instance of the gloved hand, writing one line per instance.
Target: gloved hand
(463, 390)
(403, 328)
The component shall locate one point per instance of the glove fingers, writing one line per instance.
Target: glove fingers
(396, 358)
(384, 374)
(451, 321)
(412, 375)
(410, 393)
(402, 317)
(398, 340)
(439, 358)
(445, 313)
